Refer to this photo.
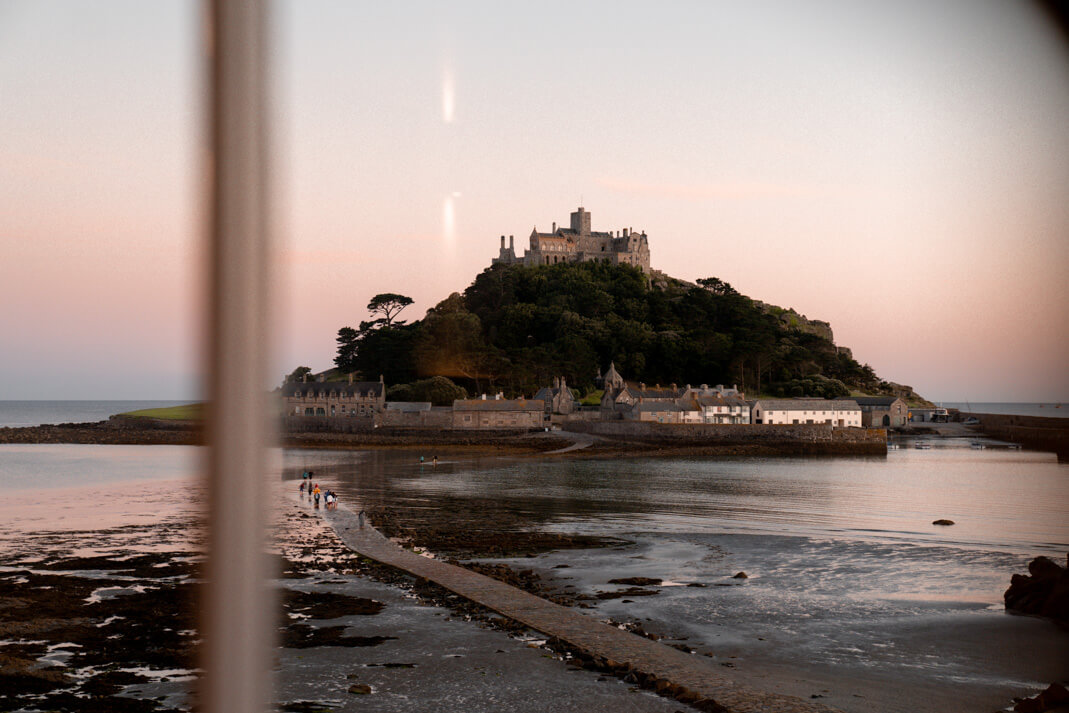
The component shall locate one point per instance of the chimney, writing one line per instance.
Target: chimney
(554, 226)
(626, 232)
(502, 242)
(512, 244)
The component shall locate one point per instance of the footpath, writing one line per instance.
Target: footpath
(686, 677)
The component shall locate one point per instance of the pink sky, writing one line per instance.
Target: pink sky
(899, 171)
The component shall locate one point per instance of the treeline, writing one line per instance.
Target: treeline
(515, 328)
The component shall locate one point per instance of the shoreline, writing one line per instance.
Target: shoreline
(535, 566)
(667, 443)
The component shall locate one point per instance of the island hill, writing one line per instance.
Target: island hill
(580, 332)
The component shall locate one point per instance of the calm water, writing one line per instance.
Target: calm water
(35, 413)
(846, 572)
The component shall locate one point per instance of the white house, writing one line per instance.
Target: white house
(835, 412)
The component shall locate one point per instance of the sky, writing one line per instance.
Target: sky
(897, 169)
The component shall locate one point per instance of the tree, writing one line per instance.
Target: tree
(348, 343)
(389, 305)
(297, 374)
(717, 286)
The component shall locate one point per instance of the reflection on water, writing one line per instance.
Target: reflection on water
(1014, 501)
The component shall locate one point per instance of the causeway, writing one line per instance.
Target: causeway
(688, 677)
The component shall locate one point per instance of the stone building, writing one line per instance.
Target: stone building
(835, 412)
(623, 398)
(578, 243)
(359, 399)
(883, 411)
(558, 398)
(498, 412)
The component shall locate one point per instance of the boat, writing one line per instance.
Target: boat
(976, 446)
(923, 445)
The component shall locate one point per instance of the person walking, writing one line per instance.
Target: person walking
(316, 494)
(361, 518)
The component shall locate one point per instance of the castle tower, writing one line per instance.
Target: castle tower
(581, 221)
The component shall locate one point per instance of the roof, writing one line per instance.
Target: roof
(312, 389)
(717, 400)
(656, 406)
(657, 392)
(807, 404)
(499, 405)
(876, 400)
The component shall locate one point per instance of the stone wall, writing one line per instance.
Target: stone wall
(1042, 433)
(435, 418)
(801, 437)
(326, 424)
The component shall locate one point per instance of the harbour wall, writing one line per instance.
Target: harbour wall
(816, 439)
(1040, 432)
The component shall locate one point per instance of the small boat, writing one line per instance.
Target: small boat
(923, 445)
(976, 446)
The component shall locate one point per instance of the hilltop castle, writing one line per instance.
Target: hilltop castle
(579, 244)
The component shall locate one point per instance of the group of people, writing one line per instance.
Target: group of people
(329, 497)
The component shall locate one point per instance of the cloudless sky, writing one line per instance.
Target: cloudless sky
(898, 169)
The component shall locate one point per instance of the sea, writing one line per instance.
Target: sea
(36, 413)
(847, 576)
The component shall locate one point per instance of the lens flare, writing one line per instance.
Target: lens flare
(448, 96)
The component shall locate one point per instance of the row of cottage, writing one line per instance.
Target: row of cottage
(622, 400)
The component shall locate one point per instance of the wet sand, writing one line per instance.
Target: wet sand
(103, 619)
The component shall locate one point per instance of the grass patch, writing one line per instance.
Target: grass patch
(185, 412)
(593, 398)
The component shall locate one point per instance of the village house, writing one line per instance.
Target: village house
(654, 412)
(359, 399)
(498, 412)
(718, 409)
(836, 412)
(578, 243)
(558, 398)
(620, 396)
(882, 411)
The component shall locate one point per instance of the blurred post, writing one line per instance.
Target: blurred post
(237, 617)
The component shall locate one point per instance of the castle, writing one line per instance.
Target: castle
(579, 244)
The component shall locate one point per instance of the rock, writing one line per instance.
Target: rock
(637, 581)
(1043, 591)
(741, 575)
(360, 688)
(942, 522)
(1053, 698)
